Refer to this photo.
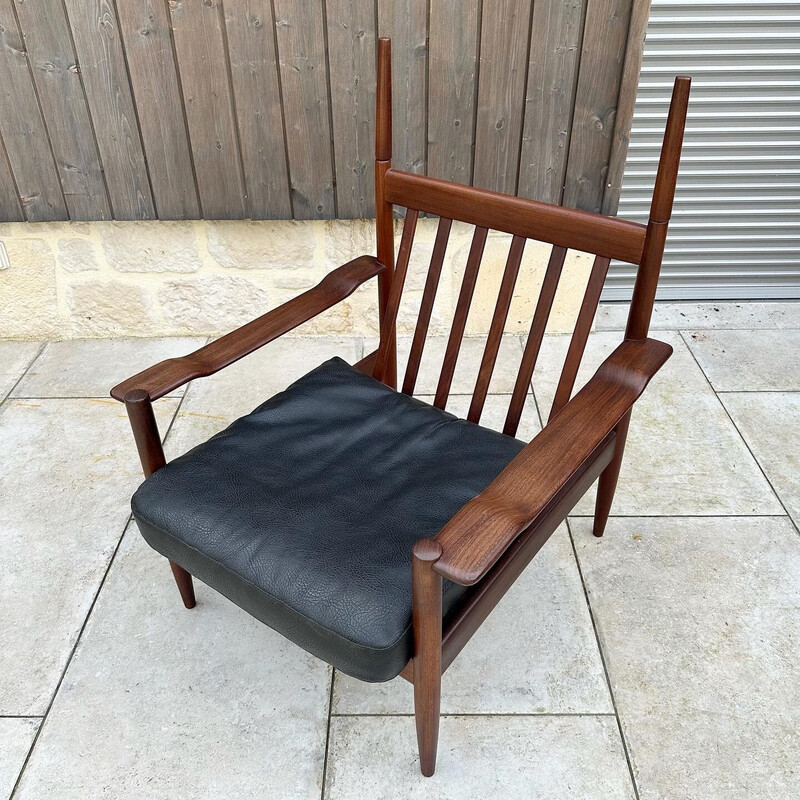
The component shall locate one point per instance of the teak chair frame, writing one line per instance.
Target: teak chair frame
(490, 541)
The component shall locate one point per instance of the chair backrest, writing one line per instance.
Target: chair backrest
(563, 228)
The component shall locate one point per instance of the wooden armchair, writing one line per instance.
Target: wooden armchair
(374, 530)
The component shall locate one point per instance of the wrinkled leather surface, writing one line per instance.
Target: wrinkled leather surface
(305, 511)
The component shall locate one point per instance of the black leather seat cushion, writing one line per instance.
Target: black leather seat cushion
(305, 511)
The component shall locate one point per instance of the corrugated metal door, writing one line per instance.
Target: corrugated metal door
(735, 230)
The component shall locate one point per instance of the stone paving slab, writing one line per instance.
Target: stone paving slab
(507, 758)
(748, 361)
(68, 470)
(90, 367)
(163, 702)
(770, 424)
(15, 357)
(16, 738)
(699, 620)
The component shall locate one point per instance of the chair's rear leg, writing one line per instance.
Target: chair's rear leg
(185, 587)
(607, 483)
(427, 619)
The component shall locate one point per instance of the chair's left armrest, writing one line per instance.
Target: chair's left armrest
(168, 375)
(478, 535)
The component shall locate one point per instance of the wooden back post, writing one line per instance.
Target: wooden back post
(384, 217)
(644, 291)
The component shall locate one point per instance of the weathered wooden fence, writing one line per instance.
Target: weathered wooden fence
(174, 109)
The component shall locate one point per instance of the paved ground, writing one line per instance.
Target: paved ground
(658, 662)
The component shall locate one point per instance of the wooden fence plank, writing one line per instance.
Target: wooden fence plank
(146, 33)
(602, 56)
(264, 108)
(352, 31)
(10, 206)
(452, 66)
(102, 64)
(501, 94)
(629, 84)
(407, 25)
(203, 65)
(256, 89)
(58, 82)
(306, 104)
(550, 98)
(23, 128)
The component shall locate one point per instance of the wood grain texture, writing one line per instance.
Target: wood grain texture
(550, 97)
(580, 334)
(10, 206)
(99, 47)
(384, 221)
(151, 455)
(426, 612)
(581, 230)
(304, 76)
(263, 108)
(602, 56)
(145, 27)
(484, 528)
(352, 34)
(23, 129)
(168, 375)
(406, 23)
(54, 66)
(501, 94)
(199, 35)
(533, 343)
(452, 69)
(460, 317)
(496, 328)
(646, 285)
(386, 349)
(426, 304)
(256, 88)
(629, 83)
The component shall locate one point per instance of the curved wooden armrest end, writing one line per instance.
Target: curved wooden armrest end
(168, 375)
(478, 535)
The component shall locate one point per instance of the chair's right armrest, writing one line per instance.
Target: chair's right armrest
(482, 530)
(168, 375)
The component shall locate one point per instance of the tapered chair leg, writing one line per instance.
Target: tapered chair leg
(427, 620)
(185, 586)
(607, 484)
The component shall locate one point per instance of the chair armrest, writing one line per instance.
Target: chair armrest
(484, 528)
(168, 375)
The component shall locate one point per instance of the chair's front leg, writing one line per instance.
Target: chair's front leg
(151, 454)
(426, 591)
(607, 484)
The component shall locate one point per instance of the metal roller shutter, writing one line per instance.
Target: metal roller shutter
(735, 230)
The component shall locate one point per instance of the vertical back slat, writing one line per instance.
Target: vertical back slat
(534, 343)
(396, 291)
(460, 317)
(496, 328)
(580, 335)
(426, 306)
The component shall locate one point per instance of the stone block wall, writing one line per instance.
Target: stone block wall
(114, 279)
